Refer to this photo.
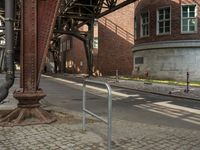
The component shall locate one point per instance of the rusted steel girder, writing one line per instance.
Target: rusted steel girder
(37, 23)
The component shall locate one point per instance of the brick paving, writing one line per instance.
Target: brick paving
(48, 137)
(151, 137)
(65, 136)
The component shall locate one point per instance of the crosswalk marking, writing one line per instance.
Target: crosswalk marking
(167, 104)
(171, 110)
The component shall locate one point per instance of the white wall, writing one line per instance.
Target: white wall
(169, 63)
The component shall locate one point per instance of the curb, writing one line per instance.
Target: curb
(139, 90)
(158, 93)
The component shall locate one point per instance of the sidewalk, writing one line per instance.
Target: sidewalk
(157, 88)
(67, 135)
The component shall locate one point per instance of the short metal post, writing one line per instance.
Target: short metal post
(188, 82)
(146, 74)
(109, 120)
(84, 100)
(117, 76)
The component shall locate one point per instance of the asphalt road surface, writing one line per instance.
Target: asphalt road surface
(128, 105)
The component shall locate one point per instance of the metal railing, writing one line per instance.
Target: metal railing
(117, 29)
(109, 119)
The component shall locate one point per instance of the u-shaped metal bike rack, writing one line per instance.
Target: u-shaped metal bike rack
(109, 119)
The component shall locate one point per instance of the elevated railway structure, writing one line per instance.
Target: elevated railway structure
(74, 14)
(37, 21)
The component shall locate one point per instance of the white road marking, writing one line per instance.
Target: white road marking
(156, 111)
(140, 98)
(150, 107)
(93, 87)
(165, 108)
(192, 121)
(167, 104)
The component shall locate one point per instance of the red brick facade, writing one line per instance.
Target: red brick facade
(170, 47)
(175, 6)
(115, 40)
(75, 57)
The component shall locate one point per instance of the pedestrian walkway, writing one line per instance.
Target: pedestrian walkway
(157, 88)
(126, 136)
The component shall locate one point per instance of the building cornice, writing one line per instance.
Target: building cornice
(167, 44)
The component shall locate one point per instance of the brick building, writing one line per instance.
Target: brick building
(112, 50)
(167, 39)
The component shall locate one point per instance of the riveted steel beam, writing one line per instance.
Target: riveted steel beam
(115, 7)
(75, 14)
(37, 24)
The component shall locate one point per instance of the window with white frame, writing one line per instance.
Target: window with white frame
(144, 24)
(189, 18)
(164, 20)
(95, 34)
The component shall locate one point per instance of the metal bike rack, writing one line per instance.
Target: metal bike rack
(109, 120)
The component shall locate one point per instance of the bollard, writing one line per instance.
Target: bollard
(188, 82)
(146, 74)
(117, 76)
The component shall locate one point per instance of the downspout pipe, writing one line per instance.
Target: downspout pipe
(9, 79)
(2, 52)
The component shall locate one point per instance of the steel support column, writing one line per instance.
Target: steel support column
(37, 23)
(88, 43)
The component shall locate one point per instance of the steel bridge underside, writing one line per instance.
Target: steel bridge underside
(73, 14)
(37, 21)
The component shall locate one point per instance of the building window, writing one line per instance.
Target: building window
(189, 19)
(139, 60)
(164, 20)
(144, 24)
(95, 42)
(95, 35)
